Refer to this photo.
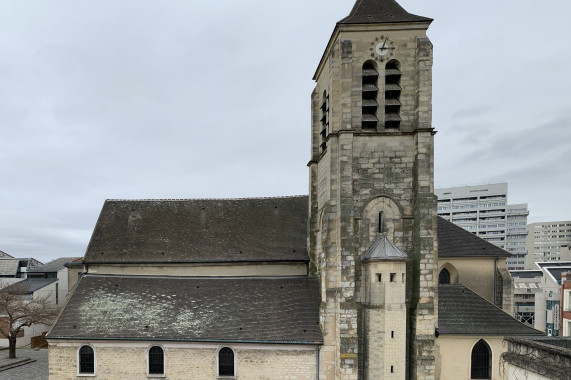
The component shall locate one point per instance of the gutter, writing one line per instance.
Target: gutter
(317, 363)
(496, 280)
(308, 343)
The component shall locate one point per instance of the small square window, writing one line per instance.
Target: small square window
(393, 277)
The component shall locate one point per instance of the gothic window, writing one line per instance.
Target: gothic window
(481, 363)
(156, 361)
(324, 121)
(369, 95)
(226, 362)
(86, 360)
(444, 277)
(392, 95)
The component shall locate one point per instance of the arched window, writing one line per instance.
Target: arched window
(156, 361)
(481, 363)
(86, 360)
(369, 96)
(392, 95)
(444, 277)
(225, 362)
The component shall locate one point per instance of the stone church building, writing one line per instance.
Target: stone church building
(357, 280)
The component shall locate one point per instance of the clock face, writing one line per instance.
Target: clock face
(382, 48)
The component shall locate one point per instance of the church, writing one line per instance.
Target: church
(358, 280)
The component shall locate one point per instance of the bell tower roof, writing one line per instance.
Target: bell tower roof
(380, 11)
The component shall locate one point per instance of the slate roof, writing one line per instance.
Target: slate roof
(4, 255)
(200, 230)
(454, 241)
(557, 272)
(258, 310)
(380, 11)
(553, 264)
(463, 312)
(31, 284)
(384, 249)
(53, 266)
(9, 267)
(526, 273)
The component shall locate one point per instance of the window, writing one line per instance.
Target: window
(444, 277)
(393, 277)
(392, 95)
(156, 361)
(369, 96)
(226, 362)
(86, 360)
(481, 363)
(324, 121)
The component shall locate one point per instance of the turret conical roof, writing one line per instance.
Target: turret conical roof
(380, 11)
(384, 249)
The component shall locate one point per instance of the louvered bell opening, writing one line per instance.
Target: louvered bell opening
(323, 132)
(323, 146)
(370, 73)
(370, 103)
(370, 88)
(392, 120)
(368, 118)
(392, 72)
(392, 110)
(392, 102)
(392, 87)
(323, 118)
(324, 106)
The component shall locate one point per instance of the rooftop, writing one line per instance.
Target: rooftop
(463, 312)
(200, 230)
(263, 310)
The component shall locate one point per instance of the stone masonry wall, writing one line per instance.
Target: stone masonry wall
(129, 361)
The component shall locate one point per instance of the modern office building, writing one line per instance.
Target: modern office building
(548, 241)
(484, 211)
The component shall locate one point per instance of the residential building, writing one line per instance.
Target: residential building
(13, 270)
(339, 284)
(548, 300)
(484, 211)
(48, 281)
(565, 304)
(548, 241)
(527, 283)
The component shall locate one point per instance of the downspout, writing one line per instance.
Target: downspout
(496, 280)
(317, 363)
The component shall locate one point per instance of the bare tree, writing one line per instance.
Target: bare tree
(19, 309)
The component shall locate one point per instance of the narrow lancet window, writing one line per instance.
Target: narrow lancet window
(324, 121)
(392, 95)
(369, 96)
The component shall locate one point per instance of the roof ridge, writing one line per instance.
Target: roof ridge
(200, 199)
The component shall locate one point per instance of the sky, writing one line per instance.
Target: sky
(138, 99)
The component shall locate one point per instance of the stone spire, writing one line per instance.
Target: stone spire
(378, 12)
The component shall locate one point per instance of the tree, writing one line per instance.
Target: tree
(19, 309)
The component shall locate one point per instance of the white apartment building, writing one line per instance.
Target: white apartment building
(548, 241)
(484, 211)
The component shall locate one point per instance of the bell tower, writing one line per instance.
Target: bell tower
(371, 185)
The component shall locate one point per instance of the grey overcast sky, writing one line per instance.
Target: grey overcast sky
(208, 99)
